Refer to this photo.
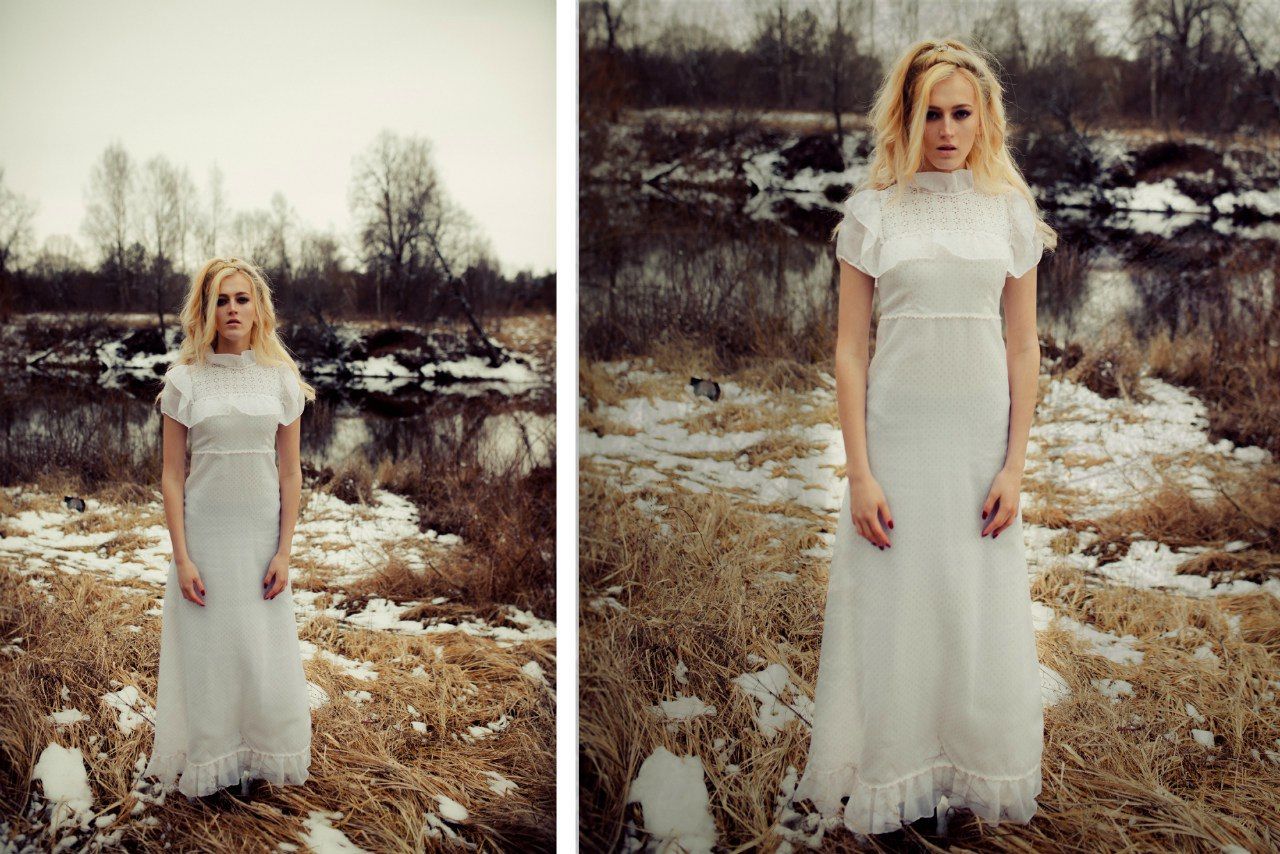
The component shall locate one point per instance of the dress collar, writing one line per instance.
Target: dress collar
(230, 360)
(956, 181)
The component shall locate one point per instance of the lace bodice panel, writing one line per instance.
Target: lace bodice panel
(232, 404)
(940, 247)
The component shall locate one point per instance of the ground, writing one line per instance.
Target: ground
(706, 534)
(433, 694)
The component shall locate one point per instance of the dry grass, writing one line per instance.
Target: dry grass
(1110, 366)
(701, 594)
(366, 762)
(351, 480)
(695, 582)
(506, 519)
(1245, 510)
(1237, 375)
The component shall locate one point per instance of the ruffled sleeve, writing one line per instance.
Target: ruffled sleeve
(292, 399)
(175, 398)
(1025, 243)
(858, 236)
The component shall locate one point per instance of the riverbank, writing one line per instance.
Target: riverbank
(445, 709)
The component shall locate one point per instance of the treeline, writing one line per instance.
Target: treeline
(415, 255)
(1203, 65)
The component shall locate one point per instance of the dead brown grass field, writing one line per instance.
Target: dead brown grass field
(367, 762)
(528, 333)
(695, 581)
(1112, 782)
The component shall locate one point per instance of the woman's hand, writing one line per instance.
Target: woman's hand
(1001, 506)
(189, 581)
(869, 510)
(277, 576)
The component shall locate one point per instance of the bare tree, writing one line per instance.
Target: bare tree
(281, 218)
(56, 264)
(16, 235)
(604, 24)
(773, 43)
(216, 214)
(788, 46)
(160, 204)
(393, 187)
(841, 45)
(1244, 16)
(188, 217)
(110, 217)
(251, 235)
(1063, 80)
(323, 285)
(1176, 33)
(1000, 32)
(409, 231)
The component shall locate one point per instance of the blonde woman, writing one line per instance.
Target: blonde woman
(928, 683)
(232, 701)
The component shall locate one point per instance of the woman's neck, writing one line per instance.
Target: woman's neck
(227, 348)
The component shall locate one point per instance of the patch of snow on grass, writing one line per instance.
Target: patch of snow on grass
(65, 782)
(673, 797)
(780, 701)
(129, 709)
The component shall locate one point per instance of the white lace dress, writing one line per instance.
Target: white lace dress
(928, 682)
(232, 698)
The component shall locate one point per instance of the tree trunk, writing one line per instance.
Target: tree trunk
(496, 356)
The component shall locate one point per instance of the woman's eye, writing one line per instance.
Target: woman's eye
(962, 114)
(931, 114)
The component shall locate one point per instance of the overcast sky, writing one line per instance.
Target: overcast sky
(736, 20)
(282, 95)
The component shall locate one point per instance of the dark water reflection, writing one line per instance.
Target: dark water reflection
(112, 431)
(707, 266)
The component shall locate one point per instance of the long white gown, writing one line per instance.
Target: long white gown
(232, 697)
(928, 682)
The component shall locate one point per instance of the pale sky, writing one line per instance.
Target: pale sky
(283, 96)
(890, 32)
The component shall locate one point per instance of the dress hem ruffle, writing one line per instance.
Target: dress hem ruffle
(884, 808)
(205, 778)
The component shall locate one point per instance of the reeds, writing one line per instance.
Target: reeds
(723, 585)
(703, 594)
(367, 762)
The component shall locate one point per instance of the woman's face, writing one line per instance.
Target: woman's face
(235, 316)
(950, 125)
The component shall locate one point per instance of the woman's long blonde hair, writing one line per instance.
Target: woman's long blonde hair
(898, 118)
(199, 311)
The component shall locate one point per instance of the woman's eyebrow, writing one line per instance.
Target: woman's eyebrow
(954, 107)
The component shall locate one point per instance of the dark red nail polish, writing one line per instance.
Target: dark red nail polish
(984, 514)
(890, 524)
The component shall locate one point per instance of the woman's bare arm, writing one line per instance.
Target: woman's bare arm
(853, 330)
(868, 508)
(1022, 353)
(288, 448)
(173, 476)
